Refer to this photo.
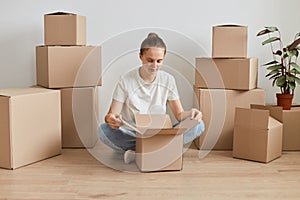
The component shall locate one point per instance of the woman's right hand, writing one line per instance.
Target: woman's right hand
(114, 120)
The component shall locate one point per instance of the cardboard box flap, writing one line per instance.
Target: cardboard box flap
(258, 119)
(153, 121)
(60, 13)
(273, 123)
(275, 111)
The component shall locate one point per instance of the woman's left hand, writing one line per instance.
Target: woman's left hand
(196, 114)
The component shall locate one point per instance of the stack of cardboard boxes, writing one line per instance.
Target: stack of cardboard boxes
(224, 82)
(67, 64)
(36, 122)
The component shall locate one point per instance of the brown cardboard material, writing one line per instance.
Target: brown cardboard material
(30, 126)
(229, 41)
(64, 29)
(235, 73)
(218, 108)
(291, 125)
(79, 117)
(68, 66)
(159, 147)
(257, 136)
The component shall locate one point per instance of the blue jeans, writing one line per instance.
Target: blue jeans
(122, 139)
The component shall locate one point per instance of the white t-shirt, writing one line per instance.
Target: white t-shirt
(140, 97)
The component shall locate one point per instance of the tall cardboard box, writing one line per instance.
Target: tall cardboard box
(64, 29)
(30, 126)
(218, 109)
(159, 147)
(79, 117)
(68, 66)
(257, 136)
(225, 73)
(229, 41)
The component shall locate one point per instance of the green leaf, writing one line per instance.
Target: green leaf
(291, 53)
(272, 39)
(280, 81)
(292, 85)
(272, 72)
(290, 78)
(295, 66)
(297, 80)
(271, 28)
(275, 76)
(271, 63)
(274, 67)
(294, 71)
(266, 31)
(274, 81)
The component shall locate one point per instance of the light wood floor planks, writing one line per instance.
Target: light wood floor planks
(77, 175)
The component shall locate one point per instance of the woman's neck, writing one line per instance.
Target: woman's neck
(146, 77)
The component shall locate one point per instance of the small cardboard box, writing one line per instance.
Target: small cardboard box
(257, 136)
(227, 73)
(218, 109)
(64, 29)
(229, 41)
(159, 147)
(68, 66)
(30, 126)
(291, 125)
(79, 117)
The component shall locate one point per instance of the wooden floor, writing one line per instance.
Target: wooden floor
(77, 174)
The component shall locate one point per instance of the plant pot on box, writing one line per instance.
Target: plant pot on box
(284, 70)
(284, 100)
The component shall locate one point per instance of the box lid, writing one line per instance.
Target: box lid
(10, 92)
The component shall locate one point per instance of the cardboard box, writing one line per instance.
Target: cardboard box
(218, 108)
(64, 29)
(291, 125)
(226, 73)
(257, 136)
(159, 147)
(30, 126)
(68, 66)
(229, 41)
(79, 117)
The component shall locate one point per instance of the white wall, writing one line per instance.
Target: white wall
(119, 26)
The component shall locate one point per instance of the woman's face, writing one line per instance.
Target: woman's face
(152, 59)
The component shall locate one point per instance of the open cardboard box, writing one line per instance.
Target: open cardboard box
(257, 135)
(291, 125)
(159, 146)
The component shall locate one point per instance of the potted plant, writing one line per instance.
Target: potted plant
(283, 69)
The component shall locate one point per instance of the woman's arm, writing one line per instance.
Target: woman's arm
(113, 117)
(180, 114)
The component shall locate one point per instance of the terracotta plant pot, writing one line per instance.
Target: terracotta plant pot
(285, 100)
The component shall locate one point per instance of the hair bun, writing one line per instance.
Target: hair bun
(152, 35)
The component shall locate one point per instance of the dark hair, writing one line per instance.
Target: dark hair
(153, 40)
